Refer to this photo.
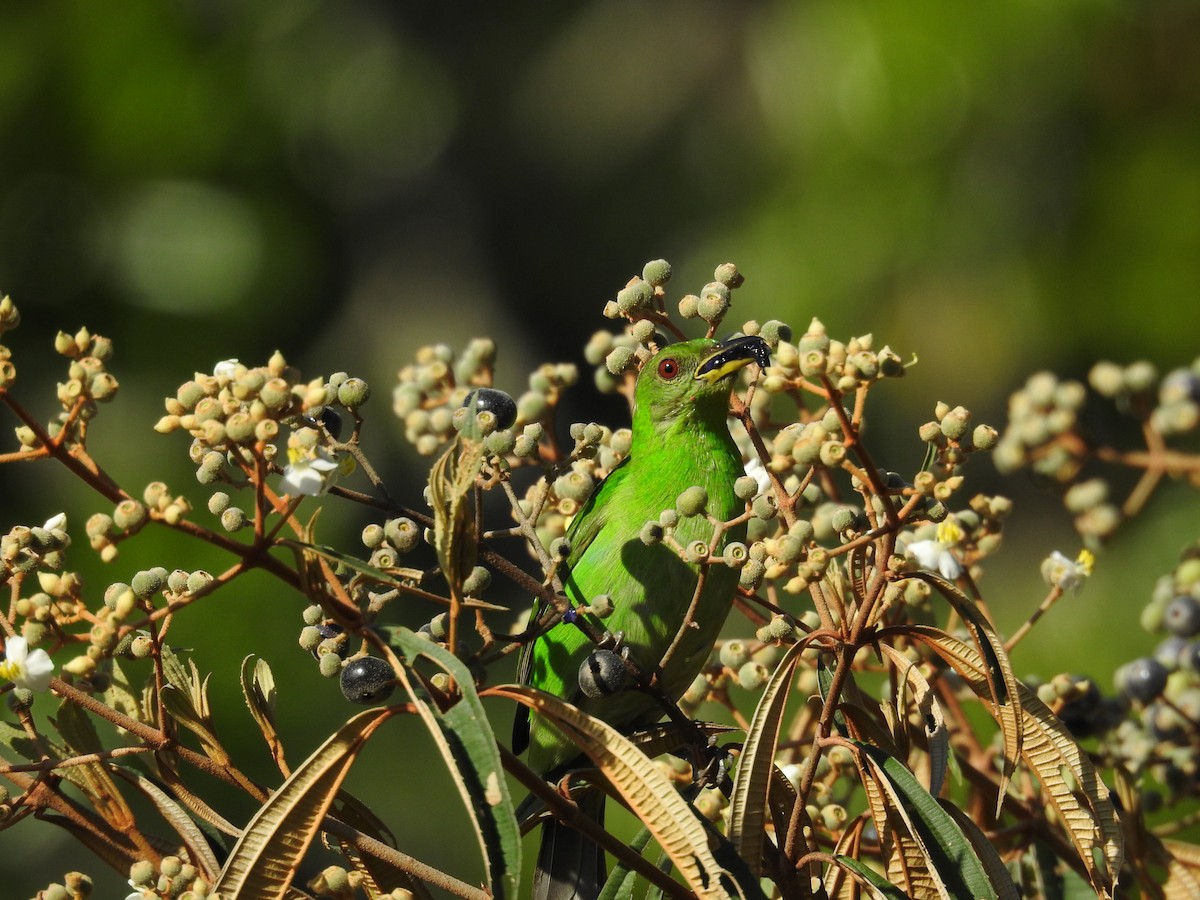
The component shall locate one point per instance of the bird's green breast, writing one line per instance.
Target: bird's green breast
(650, 585)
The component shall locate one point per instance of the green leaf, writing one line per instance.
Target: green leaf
(468, 745)
(880, 887)
(951, 858)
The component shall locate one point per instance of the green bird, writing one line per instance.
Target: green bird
(680, 439)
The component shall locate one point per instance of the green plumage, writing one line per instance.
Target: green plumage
(680, 439)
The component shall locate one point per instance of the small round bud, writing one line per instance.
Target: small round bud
(657, 272)
(734, 654)
(746, 487)
(129, 515)
(477, 582)
(367, 680)
(233, 519)
(692, 501)
(984, 437)
(403, 534)
(218, 502)
(148, 583)
(752, 676)
(736, 555)
(651, 533)
(689, 306)
(635, 296)
(728, 275)
(601, 606)
(601, 674)
(353, 393)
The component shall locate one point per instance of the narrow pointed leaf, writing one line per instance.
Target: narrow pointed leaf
(878, 886)
(1002, 682)
(933, 722)
(1047, 747)
(651, 797)
(258, 688)
(752, 782)
(189, 832)
(468, 745)
(273, 844)
(950, 857)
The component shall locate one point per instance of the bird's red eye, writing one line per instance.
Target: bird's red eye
(668, 369)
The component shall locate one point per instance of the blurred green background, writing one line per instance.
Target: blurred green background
(995, 187)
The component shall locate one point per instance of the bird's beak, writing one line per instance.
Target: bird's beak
(732, 355)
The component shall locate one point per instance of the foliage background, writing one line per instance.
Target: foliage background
(997, 188)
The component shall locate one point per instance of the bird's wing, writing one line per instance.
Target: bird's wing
(584, 527)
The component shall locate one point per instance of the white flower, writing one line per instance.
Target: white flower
(310, 473)
(226, 368)
(937, 555)
(24, 669)
(1066, 574)
(756, 470)
(56, 523)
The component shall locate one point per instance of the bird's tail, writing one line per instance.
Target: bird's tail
(570, 866)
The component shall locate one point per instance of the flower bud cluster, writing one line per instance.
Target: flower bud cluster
(1042, 420)
(172, 877)
(25, 549)
(954, 437)
(432, 389)
(815, 355)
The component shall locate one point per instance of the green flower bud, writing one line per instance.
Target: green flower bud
(477, 582)
(329, 665)
(129, 515)
(637, 295)
(696, 551)
(734, 654)
(727, 274)
(531, 406)
(403, 533)
(620, 359)
(233, 519)
(692, 501)
(218, 503)
(746, 487)
(353, 393)
(954, 424)
(736, 555)
(752, 574)
(657, 272)
(752, 676)
(199, 580)
(689, 306)
(177, 581)
(714, 302)
(651, 533)
(601, 606)
(313, 614)
(764, 507)
(984, 437)
(500, 443)
(148, 583)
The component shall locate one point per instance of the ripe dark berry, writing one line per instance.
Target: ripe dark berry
(368, 680)
(1182, 616)
(498, 403)
(601, 674)
(332, 421)
(1143, 679)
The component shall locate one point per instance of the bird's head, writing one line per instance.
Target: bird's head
(692, 379)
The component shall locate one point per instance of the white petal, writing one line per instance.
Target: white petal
(39, 669)
(949, 566)
(226, 368)
(16, 649)
(56, 523)
(926, 553)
